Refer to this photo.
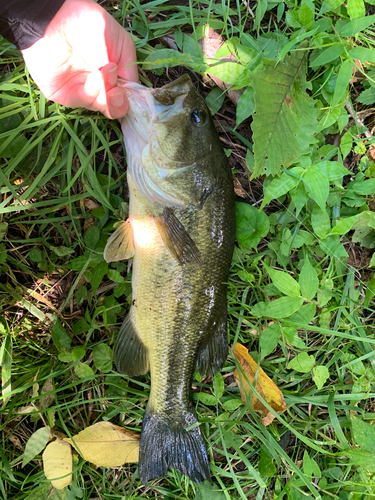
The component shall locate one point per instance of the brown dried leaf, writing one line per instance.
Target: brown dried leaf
(264, 386)
(107, 445)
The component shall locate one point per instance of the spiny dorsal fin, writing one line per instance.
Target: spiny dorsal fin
(176, 238)
(120, 245)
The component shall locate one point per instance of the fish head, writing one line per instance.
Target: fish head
(169, 137)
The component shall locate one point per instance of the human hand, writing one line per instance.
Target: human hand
(80, 56)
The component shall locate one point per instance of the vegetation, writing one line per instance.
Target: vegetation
(301, 289)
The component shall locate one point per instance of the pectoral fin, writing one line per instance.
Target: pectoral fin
(120, 245)
(176, 238)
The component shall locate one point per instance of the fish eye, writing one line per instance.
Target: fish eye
(199, 117)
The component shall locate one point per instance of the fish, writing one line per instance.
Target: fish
(180, 233)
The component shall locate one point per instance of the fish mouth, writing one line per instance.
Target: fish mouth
(146, 108)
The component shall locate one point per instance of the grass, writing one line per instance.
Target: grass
(62, 188)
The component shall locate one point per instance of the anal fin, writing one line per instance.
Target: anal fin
(212, 355)
(176, 238)
(130, 354)
(120, 244)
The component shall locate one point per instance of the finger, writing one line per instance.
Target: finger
(109, 72)
(117, 103)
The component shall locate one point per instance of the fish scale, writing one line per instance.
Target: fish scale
(181, 233)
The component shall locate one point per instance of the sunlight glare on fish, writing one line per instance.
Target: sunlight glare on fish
(145, 232)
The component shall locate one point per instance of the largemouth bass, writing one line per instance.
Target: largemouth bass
(180, 231)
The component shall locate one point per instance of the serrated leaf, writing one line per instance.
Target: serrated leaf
(303, 363)
(58, 464)
(36, 444)
(284, 282)
(279, 308)
(308, 280)
(356, 9)
(306, 16)
(367, 96)
(269, 339)
(264, 385)
(106, 445)
(320, 375)
(285, 121)
(316, 185)
(102, 356)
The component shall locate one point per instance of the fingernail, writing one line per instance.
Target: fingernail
(117, 99)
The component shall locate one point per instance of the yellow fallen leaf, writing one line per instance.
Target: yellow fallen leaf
(264, 386)
(107, 445)
(58, 463)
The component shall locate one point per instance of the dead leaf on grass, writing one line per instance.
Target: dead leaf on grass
(58, 464)
(264, 386)
(107, 445)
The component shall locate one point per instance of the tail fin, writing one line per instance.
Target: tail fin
(166, 444)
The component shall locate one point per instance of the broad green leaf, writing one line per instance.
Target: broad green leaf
(308, 280)
(207, 399)
(58, 464)
(207, 491)
(320, 375)
(36, 444)
(343, 79)
(367, 97)
(78, 352)
(192, 47)
(80, 327)
(115, 276)
(356, 9)
(102, 357)
(230, 72)
(345, 225)
(356, 26)
(284, 282)
(299, 197)
(59, 336)
(94, 276)
(82, 370)
(286, 118)
(320, 222)
(291, 335)
(245, 106)
(218, 384)
(269, 339)
(317, 185)
(306, 16)
(92, 236)
(279, 308)
(232, 404)
(328, 55)
(364, 187)
(346, 144)
(303, 363)
(333, 170)
(251, 225)
(333, 247)
(62, 251)
(278, 187)
(215, 99)
(305, 315)
(41, 492)
(362, 458)
(364, 434)
(329, 5)
(363, 54)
